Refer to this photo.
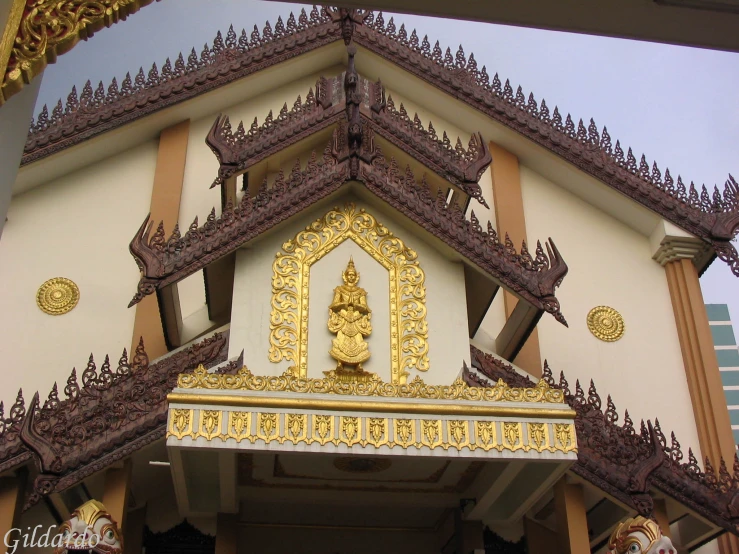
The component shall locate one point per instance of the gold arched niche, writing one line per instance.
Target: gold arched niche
(291, 285)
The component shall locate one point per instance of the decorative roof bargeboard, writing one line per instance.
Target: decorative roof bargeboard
(238, 151)
(711, 217)
(625, 462)
(114, 412)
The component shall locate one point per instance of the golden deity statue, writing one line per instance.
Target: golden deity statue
(349, 317)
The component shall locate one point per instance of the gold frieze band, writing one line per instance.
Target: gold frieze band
(264, 427)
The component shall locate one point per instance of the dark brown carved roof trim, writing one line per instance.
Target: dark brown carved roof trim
(711, 217)
(114, 413)
(225, 61)
(164, 261)
(625, 462)
(237, 152)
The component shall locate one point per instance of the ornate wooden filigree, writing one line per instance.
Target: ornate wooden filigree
(713, 217)
(164, 261)
(114, 412)
(627, 463)
(49, 28)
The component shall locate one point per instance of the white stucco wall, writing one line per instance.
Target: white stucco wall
(78, 227)
(610, 264)
(445, 303)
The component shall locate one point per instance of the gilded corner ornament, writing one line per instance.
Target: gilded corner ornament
(291, 284)
(45, 29)
(606, 323)
(57, 296)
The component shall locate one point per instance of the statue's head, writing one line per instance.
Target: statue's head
(639, 535)
(350, 275)
(92, 529)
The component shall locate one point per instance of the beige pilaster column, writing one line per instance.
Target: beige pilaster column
(677, 252)
(572, 522)
(116, 491)
(509, 218)
(227, 533)
(539, 539)
(12, 490)
(165, 206)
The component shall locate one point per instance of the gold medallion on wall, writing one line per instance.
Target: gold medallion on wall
(290, 286)
(606, 323)
(57, 296)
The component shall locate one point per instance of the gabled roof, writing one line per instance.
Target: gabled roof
(712, 217)
(114, 413)
(351, 156)
(626, 463)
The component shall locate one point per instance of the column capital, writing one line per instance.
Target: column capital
(670, 243)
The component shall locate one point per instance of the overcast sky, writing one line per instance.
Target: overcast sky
(677, 105)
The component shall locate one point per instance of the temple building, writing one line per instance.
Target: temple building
(370, 299)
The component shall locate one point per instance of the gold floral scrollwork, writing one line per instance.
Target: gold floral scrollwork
(210, 423)
(244, 380)
(512, 439)
(458, 433)
(296, 427)
(364, 432)
(606, 323)
(239, 425)
(377, 431)
(563, 433)
(180, 423)
(404, 431)
(431, 433)
(486, 436)
(323, 428)
(538, 438)
(291, 284)
(351, 430)
(267, 428)
(49, 28)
